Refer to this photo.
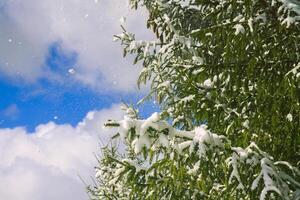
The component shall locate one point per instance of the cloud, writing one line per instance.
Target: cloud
(46, 164)
(29, 28)
(11, 112)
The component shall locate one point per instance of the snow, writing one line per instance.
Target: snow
(165, 84)
(71, 71)
(154, 133)
(164, 141)
(184, 145)
(289, 117)
(208, 83)
(288, 21)
(242, 153)
(264, 192)
(246, 124)
(140, 142)
(238, 18)
(125, 126)
(138, 167)
(199, 135)
(181, 134)
(198, 71)
(239, 29)
(150, 122)
(250, 24)
(195, 169)
(267, 173)
(289, 5)
(294, 70)
(146, 49)
(233, 162)
(198, 60)
(262, 17)
(256, 181)
(136, 44)
(202, 136)
(188, 98)
(120, 170)
(184, 142)
(123, 20)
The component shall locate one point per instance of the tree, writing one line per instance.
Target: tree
(231, 65)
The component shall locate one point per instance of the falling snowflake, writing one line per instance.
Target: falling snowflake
(71, 71)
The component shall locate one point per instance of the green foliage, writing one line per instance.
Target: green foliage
(232, 65)
(161, 162)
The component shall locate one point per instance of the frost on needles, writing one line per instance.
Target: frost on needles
(231, 65)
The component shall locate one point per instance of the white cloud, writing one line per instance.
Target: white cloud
(11, 112)
(86, 27)
(46, 164)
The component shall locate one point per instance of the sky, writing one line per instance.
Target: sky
(61, 78)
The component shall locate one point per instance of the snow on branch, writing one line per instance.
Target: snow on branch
(250, 169)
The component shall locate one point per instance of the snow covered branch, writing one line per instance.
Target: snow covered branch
(250, 170)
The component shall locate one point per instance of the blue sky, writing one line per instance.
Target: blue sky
(29, 105)
(61, 78)
(55, 103)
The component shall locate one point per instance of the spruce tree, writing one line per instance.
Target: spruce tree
(227, 75)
